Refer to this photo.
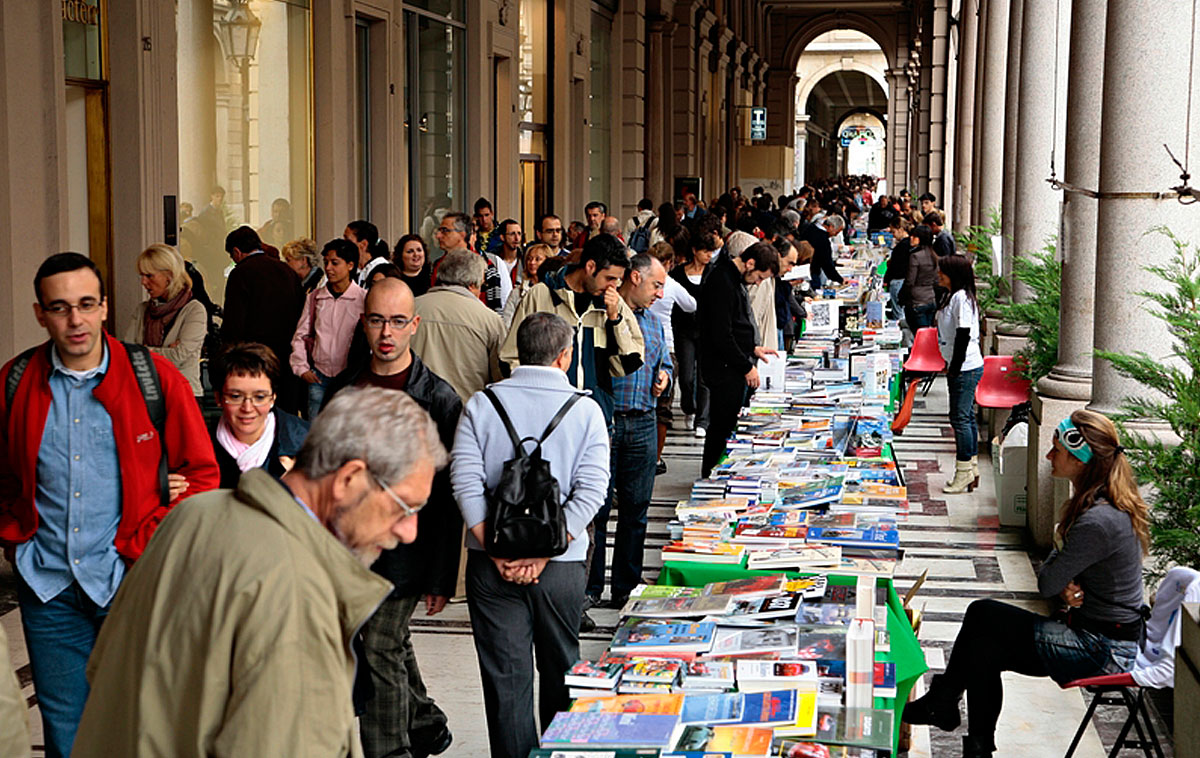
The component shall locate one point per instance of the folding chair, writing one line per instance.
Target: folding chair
(1154, 667)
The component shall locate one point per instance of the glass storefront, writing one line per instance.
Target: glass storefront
(533, 110)
(600, 110)
(245, 125)
(436, 129)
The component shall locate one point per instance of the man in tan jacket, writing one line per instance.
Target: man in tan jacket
(459, 337)
(231, 636)
(14, 713)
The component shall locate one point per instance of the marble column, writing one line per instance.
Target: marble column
(1012, 89)
(1069, 385)
(658, 182)
(1135, 123)
(898, 130)
(939, 60)
(964, 132)
(1041, 128)
(990, 127)
(924, 114)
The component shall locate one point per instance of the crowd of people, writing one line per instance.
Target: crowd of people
(357, 384)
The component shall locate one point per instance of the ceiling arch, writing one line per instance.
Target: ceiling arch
(832, 21)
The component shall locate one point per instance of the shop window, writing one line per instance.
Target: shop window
(533, 110)
(245, 125)
(600, 110)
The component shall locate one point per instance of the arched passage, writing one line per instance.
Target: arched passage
(839, 72)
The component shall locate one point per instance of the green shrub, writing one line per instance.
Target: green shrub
(1041, 272)
(977, 241)
(1172, 470)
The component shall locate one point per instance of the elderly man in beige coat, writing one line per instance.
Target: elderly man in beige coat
(231, 636)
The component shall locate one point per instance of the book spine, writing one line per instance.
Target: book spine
(860, 663)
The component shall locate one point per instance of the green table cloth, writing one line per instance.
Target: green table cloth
(905, 650)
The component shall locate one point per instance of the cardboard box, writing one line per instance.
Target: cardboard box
(1009, 464)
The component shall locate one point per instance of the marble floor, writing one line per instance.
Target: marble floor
(956, 538)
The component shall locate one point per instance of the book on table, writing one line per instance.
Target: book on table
(707, 675)
(654, 670)
(805, 724)
(712, 709)
(797, 557)
(729, 642)
(677, 607)
(587, 752)
(614, 730)
(753, 586)
(664, 590)
(874, 539)
(769, 708)
(704, 552)
(702, 740)
(764, 608)
(602, 674)
(671, 704)
(764, 675)
(857, 727)
(647, 636)
(821, 643)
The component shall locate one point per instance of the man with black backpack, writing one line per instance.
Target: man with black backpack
(638, 228)
(529, 470)
(101, 439)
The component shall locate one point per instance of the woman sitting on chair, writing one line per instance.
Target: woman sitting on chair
(1096, 569)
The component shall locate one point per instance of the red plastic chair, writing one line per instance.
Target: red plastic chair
(1000, 386)
(1119, 689)
(926, 356)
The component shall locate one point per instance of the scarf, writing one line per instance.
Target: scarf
(160, 315)
(247, 456)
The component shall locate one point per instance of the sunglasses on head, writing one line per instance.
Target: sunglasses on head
(1073, 440)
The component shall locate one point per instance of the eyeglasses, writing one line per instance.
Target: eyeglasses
(257, 399)
(396, 322)
(405, 507)
(60, 309)
(444, 230)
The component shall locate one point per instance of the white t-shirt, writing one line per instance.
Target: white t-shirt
(957, 314)
(673, 294)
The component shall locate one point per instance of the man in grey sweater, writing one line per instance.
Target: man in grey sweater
(518, 603)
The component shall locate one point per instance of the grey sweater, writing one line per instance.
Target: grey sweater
(1103, 555)
(577, 449)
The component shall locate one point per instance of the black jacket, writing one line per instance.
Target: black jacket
(726, 326)
(822, 260)
(683, 322)
(429, 565)
(263, 300)
(290, 432)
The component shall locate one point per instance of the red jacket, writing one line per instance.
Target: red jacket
(189, 449)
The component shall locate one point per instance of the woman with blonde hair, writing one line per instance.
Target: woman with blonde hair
(171, 322)
(1096, 569)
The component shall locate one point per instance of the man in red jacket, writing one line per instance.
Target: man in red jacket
(81, 490)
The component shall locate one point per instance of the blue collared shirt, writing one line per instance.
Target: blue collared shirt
(78, 493)
(633, 392)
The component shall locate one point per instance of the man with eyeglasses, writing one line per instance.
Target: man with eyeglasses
(550, 232)
(460, 337)
(81, 489)
(400, 719)
(231, 637)
(452, 237)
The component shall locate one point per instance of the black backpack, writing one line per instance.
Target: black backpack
(146, 375)
(525, 515)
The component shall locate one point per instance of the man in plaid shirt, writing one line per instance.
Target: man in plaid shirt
(634, 452)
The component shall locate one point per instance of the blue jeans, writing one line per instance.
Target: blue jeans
(1074, 653)
(632, 461)
(60, 636)
(962, 413)
(920, 316)
(894, 288)
(316, 394)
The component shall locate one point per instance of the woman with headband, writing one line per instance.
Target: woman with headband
(1096, 569)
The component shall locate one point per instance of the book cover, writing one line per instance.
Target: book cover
(753, 675)
(885, 679)
(875, 539)
(739, 642)
(595, 753)
(805, 724)
(664, 590)
(753, 586)
(602, 674)
(779, 606)
(707, 675)
(821, 643)
(664, 704)
(697, 740)
(656, 670)
(771, 708)
(642, 636)
(711, 709)
(610, 729)
(858, 727)
(676, 607)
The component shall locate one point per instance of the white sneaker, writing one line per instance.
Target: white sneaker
(689, 421)
(700, 432)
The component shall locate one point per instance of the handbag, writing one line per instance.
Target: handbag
(310, 339)
(525, 513)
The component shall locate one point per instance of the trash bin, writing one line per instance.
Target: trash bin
(1009, 463)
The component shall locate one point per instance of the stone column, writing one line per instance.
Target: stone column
(898, 129)
(657, 184)
(939, 59)
(924, 117)
(1012, 89)
(1069, 385)
(964, 132)
(1135, 122)
(991, 145)
(1040, 130)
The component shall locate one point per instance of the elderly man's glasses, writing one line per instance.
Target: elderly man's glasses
(404, 507)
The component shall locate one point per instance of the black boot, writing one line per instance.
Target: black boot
(974, 748)
(937, 707)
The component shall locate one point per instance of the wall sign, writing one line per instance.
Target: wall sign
(758, 123)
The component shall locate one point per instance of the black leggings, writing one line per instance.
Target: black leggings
(994, 637)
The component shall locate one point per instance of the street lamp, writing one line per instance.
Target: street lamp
(239, 30)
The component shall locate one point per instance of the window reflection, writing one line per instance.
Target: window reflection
(244, 125)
